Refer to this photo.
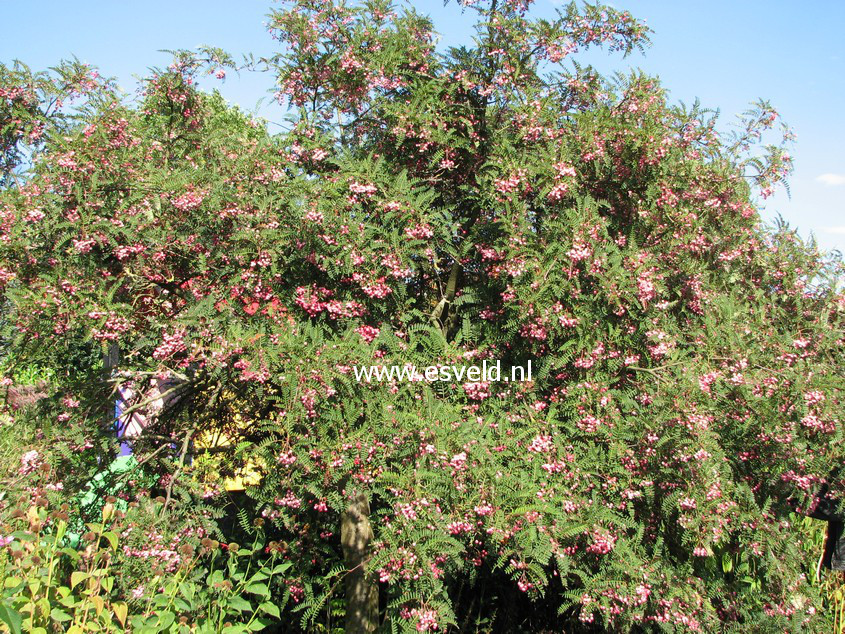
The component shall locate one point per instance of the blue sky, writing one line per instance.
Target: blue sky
(725, 53)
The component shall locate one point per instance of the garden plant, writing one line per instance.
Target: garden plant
(423, 206)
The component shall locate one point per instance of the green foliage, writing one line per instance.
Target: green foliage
(487, 203)
(48, 584)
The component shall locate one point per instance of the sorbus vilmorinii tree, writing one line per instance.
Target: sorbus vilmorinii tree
(496, 201)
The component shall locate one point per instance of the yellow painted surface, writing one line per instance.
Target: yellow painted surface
(248, 475)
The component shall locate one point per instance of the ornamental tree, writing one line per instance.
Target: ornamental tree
(496, 201)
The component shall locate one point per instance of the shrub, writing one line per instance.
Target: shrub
(481, 203)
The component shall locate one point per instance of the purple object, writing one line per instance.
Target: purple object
(125, 449)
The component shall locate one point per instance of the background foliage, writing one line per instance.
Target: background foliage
(495, 201)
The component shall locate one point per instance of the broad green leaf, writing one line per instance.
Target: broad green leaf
(112, 538)
(77, 577)
(270, 608)
(239, 603)
(165, 619)
(11, 618)
(121, 611)
(258, 588)
(60, 615)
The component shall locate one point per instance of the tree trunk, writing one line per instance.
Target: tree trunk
(356, 537)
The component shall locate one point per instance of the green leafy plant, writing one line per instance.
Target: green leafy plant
(48, 584)
(216, 590)
(496, 202)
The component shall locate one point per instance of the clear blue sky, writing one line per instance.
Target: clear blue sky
(724, 52)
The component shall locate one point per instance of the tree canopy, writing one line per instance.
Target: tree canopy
(496, 201)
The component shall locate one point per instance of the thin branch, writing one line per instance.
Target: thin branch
(145, 402)
(183, 452)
